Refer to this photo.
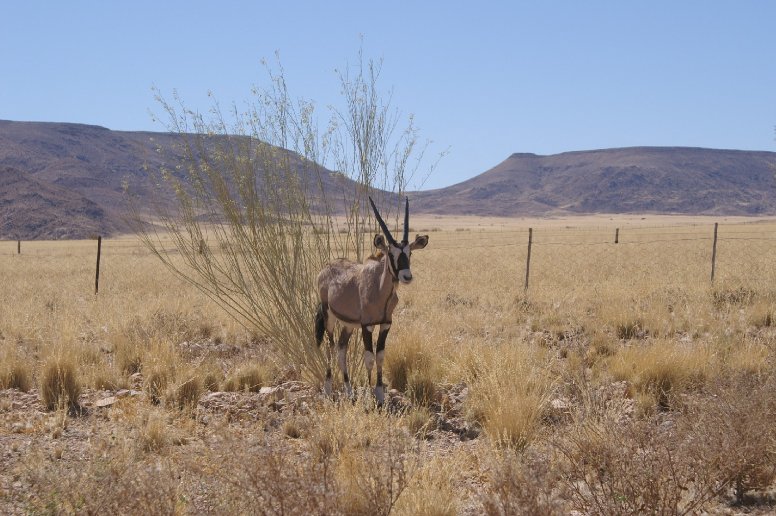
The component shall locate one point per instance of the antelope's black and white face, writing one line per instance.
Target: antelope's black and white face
(398, 253)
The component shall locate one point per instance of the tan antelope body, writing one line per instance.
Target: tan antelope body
(364, 295)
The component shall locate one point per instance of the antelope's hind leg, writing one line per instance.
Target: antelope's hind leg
(342, 357)
(369, 355)
(329, 359)
(324, 323)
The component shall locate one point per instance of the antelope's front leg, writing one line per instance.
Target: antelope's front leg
(379, 387)
(342, 357)
(369, 355)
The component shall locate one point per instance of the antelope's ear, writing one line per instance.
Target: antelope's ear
(380, 242)
(420, 242)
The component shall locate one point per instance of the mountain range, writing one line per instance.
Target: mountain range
(61, 180)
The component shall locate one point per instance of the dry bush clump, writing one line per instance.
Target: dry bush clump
(721, 443)
(270, 479)
(735, 434)
(155, 435)
(249, 377)
(411, 368)
(211, 375)
(111, 484)
(524, 483)
(15, 372)
(659, 369)
(59, 383)
(509, 402)
(186, 390)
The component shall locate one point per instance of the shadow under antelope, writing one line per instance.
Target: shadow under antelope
(364, 295)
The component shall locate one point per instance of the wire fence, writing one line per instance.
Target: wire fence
(739, 253)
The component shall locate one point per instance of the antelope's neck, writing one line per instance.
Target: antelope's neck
(387, 281)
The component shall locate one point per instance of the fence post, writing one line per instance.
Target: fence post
(528, 259)
(97, 274)
(18, 247)
(617, 236)
(714, 252)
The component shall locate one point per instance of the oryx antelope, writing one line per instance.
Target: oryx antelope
(364, 295)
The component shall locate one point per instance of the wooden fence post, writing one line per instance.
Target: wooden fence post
(617, 236)
(714, 252)
(97, 274)
(528, 259)
(18, 247)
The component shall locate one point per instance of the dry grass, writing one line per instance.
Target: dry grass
(59, 384)
(621, 382)
(249, 377)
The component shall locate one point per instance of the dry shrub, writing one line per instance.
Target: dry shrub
(524, 483)
(113, 484)
(372, 479)
(659, 369)
(128, 354)
(157, 380)
(154, 436)
(419, 421)
(430, 491)
(636, 468)
(264, 478)
(724, 442)
(761, 315)
(726, 296)
(628, 329)
(736, 434)
(411, 368)
(186, 391)
(105, 377)
(211, 375)
(249, 377)
(747, 357)
(15, 372)
(509, 401)
(59, 385)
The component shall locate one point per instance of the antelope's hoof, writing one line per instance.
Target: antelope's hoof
(349, 391)
(380, 395)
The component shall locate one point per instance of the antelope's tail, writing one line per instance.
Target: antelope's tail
(320, 324)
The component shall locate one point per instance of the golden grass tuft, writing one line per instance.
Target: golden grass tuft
(659, 369)
(411, 368)
(510, 393)
(15, 372)
(154, 435)
(186, 390)
(59, 385)
(249, 377)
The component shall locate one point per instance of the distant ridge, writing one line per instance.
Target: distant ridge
(670, 180)
(60, 180)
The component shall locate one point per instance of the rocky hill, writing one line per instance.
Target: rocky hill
(62, 180)
(628, 180)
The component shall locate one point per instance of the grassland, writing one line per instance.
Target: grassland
(622, 381)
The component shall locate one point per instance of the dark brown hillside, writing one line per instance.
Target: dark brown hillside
(30, 209)
(67, 181)
(66, 162)
(628, 180)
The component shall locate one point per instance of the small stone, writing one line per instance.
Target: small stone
(123, 393)
(106, 402)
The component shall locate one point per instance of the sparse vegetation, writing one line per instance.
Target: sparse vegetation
(506, 402)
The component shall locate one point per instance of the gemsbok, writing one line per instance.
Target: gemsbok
(364, 295)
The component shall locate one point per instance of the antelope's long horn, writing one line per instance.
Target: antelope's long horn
(406, 221)
(382, 223)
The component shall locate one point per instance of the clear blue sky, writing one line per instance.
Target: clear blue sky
(485, 79)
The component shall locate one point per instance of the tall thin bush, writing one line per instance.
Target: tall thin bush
(250, 214)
